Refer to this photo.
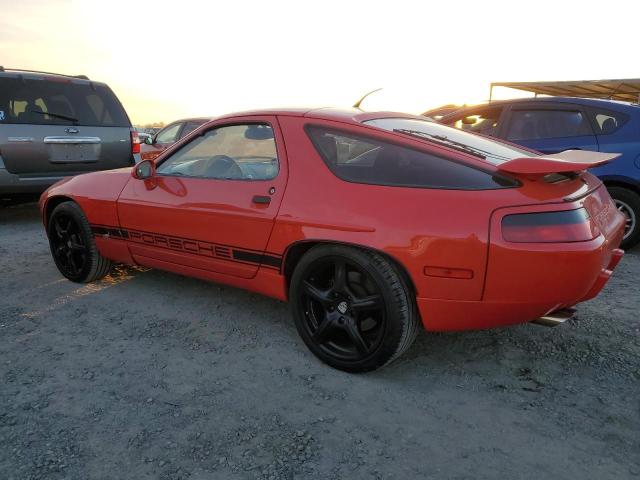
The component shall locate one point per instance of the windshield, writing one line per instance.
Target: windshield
(492, 151)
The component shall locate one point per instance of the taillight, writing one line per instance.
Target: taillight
(563, 226)
(135, 141)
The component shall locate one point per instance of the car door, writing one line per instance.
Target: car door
(550, 128)
(213, 200)
(162, 140)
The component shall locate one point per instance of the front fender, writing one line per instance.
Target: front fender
(96, 193)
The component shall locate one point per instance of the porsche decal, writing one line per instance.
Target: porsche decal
(196, 247)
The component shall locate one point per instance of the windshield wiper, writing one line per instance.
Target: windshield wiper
(56, 115)
(447, 142)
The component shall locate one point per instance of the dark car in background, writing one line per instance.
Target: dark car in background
(554, 124)
(154, 146)
(53, 126)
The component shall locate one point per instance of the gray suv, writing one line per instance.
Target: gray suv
(53, 126)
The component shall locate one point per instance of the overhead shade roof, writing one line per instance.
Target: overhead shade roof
(627, 90)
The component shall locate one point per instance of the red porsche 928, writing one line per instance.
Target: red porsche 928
(367, 223)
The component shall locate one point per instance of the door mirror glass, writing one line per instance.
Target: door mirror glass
(144, 170)
(148, 140)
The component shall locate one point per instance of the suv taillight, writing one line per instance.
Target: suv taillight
(564, 226)
(135, 141)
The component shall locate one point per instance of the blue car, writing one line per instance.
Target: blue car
(554, 124)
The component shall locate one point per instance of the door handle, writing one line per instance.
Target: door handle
(261, 200)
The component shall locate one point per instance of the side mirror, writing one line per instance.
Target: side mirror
(148, 140)
(144, 170)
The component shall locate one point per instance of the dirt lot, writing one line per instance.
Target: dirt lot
(151, 375)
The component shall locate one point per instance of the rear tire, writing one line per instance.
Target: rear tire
(628, 203)
(352, 308)
(73, 247)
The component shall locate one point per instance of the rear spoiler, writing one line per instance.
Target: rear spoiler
(567, 161)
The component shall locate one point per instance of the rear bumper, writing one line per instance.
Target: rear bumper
(12, 184)
(547, 282)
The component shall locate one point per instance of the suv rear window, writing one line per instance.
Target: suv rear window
(359, 159)
(59, 102)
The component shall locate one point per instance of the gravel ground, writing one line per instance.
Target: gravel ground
(148, 374)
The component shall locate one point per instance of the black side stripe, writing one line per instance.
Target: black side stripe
(251, 257)
(194, 247)
(112, 232)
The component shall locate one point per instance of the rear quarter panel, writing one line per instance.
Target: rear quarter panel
(417, 227)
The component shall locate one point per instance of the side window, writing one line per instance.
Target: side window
(363, 160)
(607, 121)
(540, 124)
(235, 152)
(484, 121)
(96, 104)
(188, 128)
(169, 134)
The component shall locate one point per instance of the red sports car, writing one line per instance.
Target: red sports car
(368, 223)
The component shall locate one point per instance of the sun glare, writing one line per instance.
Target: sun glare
(166, 61)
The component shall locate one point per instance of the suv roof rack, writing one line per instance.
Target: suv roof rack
(3, 69)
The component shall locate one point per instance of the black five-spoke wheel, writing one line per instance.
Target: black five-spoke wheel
(73, 246)
(344, 309)
(67, 245)
(352, 308)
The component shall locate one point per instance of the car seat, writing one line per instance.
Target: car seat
(30, 113)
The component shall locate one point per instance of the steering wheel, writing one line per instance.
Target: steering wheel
(223, 166)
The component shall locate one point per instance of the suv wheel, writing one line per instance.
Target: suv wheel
(352, 308)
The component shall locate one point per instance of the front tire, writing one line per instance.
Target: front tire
(628, 203)
(73, 247)
(352, 308)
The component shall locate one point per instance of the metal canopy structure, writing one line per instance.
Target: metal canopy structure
(627, 90)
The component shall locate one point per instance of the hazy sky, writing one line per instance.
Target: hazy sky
(167, 60)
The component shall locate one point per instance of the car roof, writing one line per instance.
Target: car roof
(596, 102)
(194, 119)
(36, 75)
(345, 115)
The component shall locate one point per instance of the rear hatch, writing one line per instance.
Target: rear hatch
(56, 126)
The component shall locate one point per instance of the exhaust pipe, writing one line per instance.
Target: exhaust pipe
(554, 319)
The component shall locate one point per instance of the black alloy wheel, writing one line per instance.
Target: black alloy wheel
(67, 245)
(72, 245)
(352, 308)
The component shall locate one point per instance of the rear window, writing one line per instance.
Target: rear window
(493, 151)
(59, 102)
(360, 159)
